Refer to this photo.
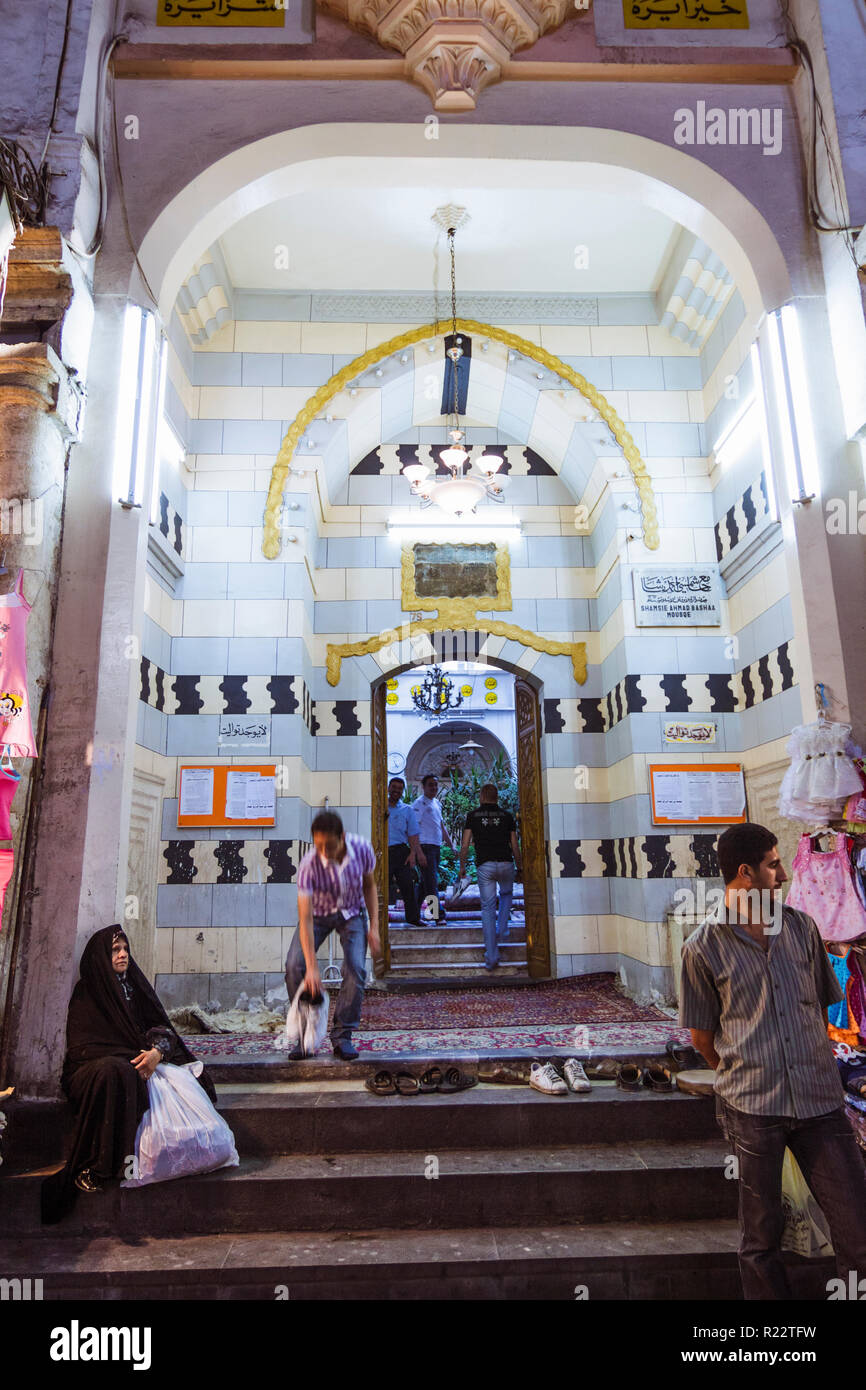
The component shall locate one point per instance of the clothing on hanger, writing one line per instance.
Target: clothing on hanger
(823, 886)
(9, 780)
(822, 775)
(16, 728)
(7, 864)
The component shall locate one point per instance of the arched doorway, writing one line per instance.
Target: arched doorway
(530, 820)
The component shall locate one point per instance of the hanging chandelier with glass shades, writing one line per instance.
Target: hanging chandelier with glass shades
(459, 493)
(436, 696)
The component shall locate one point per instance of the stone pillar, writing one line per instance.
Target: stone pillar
(39, 418)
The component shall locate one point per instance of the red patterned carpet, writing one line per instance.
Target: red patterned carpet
(578, 999)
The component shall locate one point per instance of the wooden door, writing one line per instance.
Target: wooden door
(378, 803)
(532, 828)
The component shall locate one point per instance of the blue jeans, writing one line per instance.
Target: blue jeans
(430, 873)
(495, 924)
(353, 938)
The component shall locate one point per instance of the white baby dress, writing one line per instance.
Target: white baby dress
(822, 772)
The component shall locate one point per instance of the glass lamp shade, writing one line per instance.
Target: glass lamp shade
(415, 472)
(458, 495)
(488, 464)
(454, 457)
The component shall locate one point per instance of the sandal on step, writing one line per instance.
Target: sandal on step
(406, 1085)
(605, 1070)
(657, 1078)
(382, 1084)
(456, 1080)
(681, 1053)
(629, 1077)
(430, 1080)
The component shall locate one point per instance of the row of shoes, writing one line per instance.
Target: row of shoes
(544, 1077)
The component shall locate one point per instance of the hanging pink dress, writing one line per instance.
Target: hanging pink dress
(9, 780)
(822, 885)
(6, 866)
(16, 729)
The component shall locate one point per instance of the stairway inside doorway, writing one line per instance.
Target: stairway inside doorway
(453, 950)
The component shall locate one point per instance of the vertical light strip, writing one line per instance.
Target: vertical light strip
(158, 431)
(764, 431)
(792, 343)
(127, 396)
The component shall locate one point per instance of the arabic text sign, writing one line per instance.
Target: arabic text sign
(690, 731)
(685, 595)
(697, 794)
(685, 14)
(245, 731)
(222, 14)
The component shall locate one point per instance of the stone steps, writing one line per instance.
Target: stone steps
(466, 953)
(630, 1260)
(463, 934)
(646, 1180)
(440, 970)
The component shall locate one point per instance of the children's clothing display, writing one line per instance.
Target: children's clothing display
(9, 780)
(822, 775)
(16, 729)
(7, 864)
(823, 886)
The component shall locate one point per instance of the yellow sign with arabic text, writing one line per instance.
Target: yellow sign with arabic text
(222, 14)
(685, 14)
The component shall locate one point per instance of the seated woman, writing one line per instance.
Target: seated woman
(117, 1033)
(846, 1021)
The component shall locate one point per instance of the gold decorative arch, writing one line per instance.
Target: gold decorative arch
(341, 379)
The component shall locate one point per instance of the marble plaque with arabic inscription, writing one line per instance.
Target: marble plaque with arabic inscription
(245, 731)
(685, 14)
(237, 14)
(680, 596)
(455, 571)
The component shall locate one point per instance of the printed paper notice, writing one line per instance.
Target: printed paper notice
(249, 796)
(196, 792)
(690, 796)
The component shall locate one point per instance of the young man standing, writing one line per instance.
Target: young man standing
(493, 830)
(335, 881)
(432, 831)
(756, 984)
(404, 849)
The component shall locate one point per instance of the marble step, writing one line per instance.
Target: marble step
(469, 953)
(460, 970)
(469, 934)
(660, 1261)
(626, 1181)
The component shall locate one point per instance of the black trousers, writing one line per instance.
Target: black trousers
(832, 1164)
(404, 876)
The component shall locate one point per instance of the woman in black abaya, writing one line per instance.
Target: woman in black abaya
(117, 1033)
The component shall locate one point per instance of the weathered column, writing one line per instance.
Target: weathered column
(39, 417)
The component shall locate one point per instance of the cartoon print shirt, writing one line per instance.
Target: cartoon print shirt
(16, 728)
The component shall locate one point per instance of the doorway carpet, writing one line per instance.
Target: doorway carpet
(579, 1012)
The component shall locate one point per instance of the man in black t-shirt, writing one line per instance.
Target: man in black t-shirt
(493, 830)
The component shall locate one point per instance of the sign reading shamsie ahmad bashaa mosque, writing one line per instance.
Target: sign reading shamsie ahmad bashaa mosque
(676, 596)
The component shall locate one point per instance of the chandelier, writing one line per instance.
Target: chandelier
(459, 493)
(436, 697)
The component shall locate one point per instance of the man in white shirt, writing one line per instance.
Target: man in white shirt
(432, 830)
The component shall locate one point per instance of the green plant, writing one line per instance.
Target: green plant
(460, 795)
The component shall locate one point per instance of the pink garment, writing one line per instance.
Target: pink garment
(16, 730)
(9, 780)
(6, 866)
(822, 885)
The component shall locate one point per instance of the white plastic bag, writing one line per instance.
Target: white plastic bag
(306, 1023)
(181, 1133)
(806, 1231)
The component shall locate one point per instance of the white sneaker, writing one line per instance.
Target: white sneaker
(576, 1076)
(545, 1078)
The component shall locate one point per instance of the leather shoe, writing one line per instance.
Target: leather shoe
(346, 1051)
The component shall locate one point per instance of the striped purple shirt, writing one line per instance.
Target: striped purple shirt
(337, 887)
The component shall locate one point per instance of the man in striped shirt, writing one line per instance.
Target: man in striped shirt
(335, 882)
(756, 985)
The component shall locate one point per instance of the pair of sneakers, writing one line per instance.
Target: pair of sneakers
(544, 1077)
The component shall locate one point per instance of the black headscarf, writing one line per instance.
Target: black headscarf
(102, 1023)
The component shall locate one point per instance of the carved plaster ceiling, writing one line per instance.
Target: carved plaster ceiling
(454, 48)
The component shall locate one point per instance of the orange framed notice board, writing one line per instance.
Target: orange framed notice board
(225, 794)
(697, 793)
